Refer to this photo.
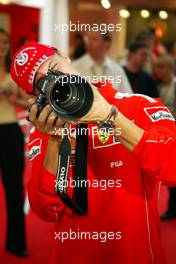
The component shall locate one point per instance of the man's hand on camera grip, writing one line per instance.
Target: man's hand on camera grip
(47, 121)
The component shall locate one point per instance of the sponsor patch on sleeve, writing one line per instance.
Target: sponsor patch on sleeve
(34, 148)
(158, 113)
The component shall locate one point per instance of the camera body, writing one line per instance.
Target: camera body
(70, 96)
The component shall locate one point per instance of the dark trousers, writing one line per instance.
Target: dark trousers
(11, 165)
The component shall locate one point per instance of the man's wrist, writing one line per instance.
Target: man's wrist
(109, 121)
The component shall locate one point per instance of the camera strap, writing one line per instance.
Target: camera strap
(78, 201)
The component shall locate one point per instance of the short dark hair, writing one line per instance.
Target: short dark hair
(135, 46)
(8, 58)
(145, 35)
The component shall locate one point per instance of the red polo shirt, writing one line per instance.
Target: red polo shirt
(122, 224)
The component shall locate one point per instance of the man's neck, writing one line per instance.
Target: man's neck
(132, 67)
(99, 61)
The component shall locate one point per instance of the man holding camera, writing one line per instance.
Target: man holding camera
(139, 157)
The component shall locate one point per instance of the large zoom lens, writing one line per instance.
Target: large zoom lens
(70, 96)
(61, 95)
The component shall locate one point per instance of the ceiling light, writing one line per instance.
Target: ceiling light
(145, 13)
(163, 14)
(106, 4)
(124, 13)
(4, 2)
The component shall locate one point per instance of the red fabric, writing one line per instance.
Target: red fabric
(156, 52)
(130, 209)
(18, 29)
(26, 62)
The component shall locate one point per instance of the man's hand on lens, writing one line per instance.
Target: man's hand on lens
(99, 110)
(47, 121)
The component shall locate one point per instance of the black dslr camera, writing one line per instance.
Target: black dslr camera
(70, 96)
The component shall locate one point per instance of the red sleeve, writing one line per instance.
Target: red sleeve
(156, 151)
(42, 197)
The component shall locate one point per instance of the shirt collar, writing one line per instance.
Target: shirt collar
(90, 63)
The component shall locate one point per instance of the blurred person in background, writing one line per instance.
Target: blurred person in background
(167, 90)
(11, 151)
(148, 37)
(167, 82)
(141, 81)
(172, 52)
(80, 48)
(96, 63)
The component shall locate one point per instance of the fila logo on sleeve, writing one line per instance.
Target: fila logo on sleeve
(34, 148)
(158, 113)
